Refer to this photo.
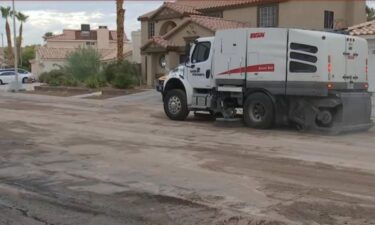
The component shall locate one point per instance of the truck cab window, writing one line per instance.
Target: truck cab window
(201, 52)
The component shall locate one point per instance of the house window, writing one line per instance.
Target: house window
(268, 15)
(151, 29)
(162, 62)
(183, 58)
(328, 19)
(218, 14)
(90, 43)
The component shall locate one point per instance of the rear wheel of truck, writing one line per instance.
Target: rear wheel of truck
(175, 105)
(258, 111)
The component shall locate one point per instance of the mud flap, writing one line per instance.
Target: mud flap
(354, 114)
(351, 111)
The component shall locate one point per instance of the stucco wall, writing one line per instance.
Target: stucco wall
(66, 44)
(103, 38)
(191, 29)
(158, 26)
(307, 14)
(246, 15)
(310, 14)
(144, 32)
(136, 46)
(38, 67)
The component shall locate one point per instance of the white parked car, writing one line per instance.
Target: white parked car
(8, 75)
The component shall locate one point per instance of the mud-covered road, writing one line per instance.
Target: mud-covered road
(121, 161)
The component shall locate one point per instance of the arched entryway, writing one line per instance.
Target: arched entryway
(166, 27)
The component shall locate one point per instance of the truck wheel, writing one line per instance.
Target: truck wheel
(175, 105)
(258, 111)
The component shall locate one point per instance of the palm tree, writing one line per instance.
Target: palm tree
(370, 12)
(5, 12)
(47, 35)
(120, 30)
(22, 18)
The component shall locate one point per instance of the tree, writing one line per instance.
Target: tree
(22, 18)
(5, 12)
(28, 54)
(370, 12)
(47, 35)
(83, 63)
(120, 30)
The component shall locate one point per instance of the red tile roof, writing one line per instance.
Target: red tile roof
(159, 40)
(216, 4)
(214, 23)
(63, 53)
(211, 23)
(179, 8)
(183, 9)
(196, 7)
(71, 35)
(367, 28)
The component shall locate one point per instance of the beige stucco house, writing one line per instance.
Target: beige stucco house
(57, 48)
(2, 58)
(166, 30)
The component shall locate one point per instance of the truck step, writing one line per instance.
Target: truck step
(230, 89)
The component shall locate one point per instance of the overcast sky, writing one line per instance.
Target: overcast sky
(55, 15)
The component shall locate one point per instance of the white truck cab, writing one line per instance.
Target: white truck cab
(311, 79)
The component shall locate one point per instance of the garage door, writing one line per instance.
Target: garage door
(371, 69)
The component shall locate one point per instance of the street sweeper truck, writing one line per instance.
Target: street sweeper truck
(308, 79)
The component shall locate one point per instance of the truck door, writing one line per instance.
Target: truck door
(199, 67)
(230, 57)
(266, 53)
(355, 62)
(371, 70)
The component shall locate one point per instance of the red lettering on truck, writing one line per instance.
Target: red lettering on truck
(257, 35)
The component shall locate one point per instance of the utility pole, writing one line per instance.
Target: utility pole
(2, 49)
(17, 84)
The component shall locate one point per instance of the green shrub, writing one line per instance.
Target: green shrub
(83, 63)
(58, 78)
(122, 75)
(51, 76)
(96, 81)
(123, 81)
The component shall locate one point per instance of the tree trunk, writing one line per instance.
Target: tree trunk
(10, 49)
(120, 30)
(19, 44)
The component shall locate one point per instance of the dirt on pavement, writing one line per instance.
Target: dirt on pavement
(121, 161)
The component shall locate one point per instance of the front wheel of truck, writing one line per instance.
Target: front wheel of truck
(175, 105)
(258, 111)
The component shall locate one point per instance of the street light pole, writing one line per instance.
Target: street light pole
(2, 49)
(15, 47)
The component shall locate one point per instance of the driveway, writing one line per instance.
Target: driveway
(121, 161)
(27, 87)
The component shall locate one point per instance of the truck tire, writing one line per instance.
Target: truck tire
(175, 105)
(258, 111)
